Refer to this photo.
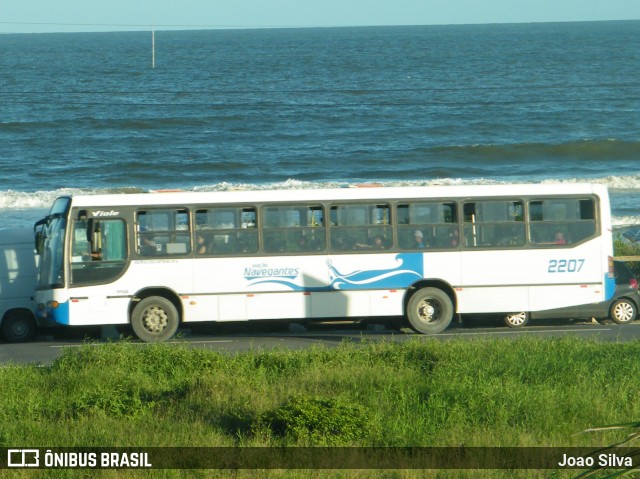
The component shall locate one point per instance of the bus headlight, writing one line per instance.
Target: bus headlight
(52, 304)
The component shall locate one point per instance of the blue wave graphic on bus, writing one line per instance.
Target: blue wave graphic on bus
(409, 268)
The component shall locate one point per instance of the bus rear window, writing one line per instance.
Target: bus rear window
(562, 221)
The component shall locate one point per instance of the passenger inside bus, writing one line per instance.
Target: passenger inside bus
(201, 245)
(308, 243)
(557, 237)
(274, 244)
(454, 237)
(378, 242)
(418, 239)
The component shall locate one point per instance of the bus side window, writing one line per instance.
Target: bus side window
(225, 230)
(101, 254)
(494, 224)
(562, 221)
(80, 248)
(361, 227)
(429, 224)
(98, 240)
(293, 229)
(163, 232)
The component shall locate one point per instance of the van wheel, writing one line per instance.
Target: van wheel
(154, 319)
(429, 311)
(623, 311)
(516, 320)
(18, 327)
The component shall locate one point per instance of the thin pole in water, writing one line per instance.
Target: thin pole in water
(153, 48)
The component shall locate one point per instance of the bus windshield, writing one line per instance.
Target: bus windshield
(50, 233)
(51, 258)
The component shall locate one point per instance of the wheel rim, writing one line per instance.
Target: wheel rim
(19, 329)
(429, 310)
(517, 319)
(623, 311)
(155, 319)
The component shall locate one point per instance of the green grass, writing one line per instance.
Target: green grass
(525, 392)
(625, 248)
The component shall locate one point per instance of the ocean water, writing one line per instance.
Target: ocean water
(303, 108)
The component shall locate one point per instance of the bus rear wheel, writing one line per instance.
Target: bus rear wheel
(154, 319)
(429, 311)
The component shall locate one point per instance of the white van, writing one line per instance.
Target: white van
(18, 279)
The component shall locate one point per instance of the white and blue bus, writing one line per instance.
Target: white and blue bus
(159, 260)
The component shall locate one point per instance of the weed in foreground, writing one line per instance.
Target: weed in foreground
(320, 421)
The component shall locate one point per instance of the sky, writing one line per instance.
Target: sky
(37, 16)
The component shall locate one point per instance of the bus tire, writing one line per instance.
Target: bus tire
(154, 319)
(18, 327)
(429, 311)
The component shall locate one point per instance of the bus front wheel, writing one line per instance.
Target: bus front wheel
(154, 319)
(429, 311)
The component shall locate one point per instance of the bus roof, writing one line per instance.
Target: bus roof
(337, 194)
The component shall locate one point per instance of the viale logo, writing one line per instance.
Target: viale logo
(104, 213)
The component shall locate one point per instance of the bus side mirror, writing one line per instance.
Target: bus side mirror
(39, 235)
(39, 242)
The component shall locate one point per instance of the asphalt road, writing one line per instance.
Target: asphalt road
(238, 337)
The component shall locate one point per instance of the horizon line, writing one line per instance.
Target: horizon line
(123, 27)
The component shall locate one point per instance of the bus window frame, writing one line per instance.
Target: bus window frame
(356, 247)
(213, 232)
(266, 231)
(93, 263)
(162, 252)
(595, 221)
(453, 226)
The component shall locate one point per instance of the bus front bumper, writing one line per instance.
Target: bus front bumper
(52, 314)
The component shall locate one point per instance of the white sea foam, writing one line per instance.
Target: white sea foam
(622, 183)
(618, 221)
(22, 200)
(629, 182)
(10, 200)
